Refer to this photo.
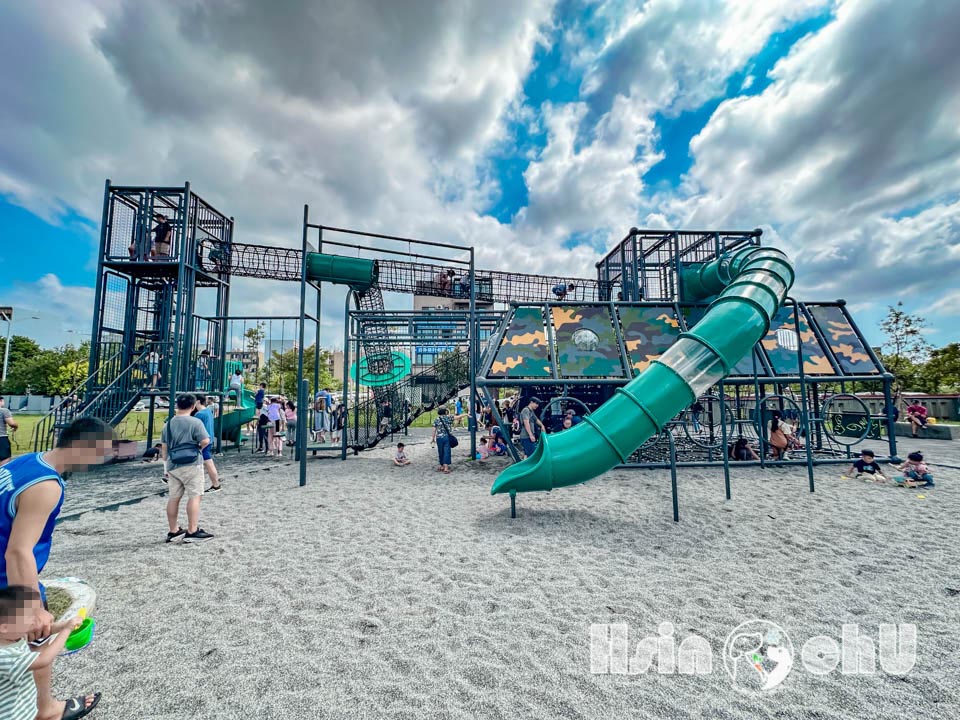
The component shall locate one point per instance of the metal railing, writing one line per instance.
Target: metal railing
(110, 403)
(371, 421)
(67, 409)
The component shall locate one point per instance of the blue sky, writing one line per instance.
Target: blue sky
(537, 131)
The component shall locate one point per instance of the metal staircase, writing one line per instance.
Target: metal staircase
(108, 393)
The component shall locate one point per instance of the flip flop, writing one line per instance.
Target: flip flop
(77, 707)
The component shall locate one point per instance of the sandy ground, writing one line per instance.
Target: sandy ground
(378, 592)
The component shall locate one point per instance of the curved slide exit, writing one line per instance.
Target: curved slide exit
(752, 283)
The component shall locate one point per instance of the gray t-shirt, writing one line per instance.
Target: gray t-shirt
(4, 414)
(528, 414)
(181, 430)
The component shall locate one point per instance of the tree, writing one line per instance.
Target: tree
(281, 371)
(254, 336)
(46, 372)
(941, 373)
(905, 347)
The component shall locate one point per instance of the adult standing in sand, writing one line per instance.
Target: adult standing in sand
(529, 424)
(31, 495)
(442, 432)
(6, 421)
(181, 443)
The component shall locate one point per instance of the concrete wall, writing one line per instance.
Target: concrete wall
(34, 404)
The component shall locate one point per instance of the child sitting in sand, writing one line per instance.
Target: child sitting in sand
(742, 452)
(400, 459)
(17, 658)
(483, 450)
(915, 471)
(867, 466)
(152, 454)
(498, 447)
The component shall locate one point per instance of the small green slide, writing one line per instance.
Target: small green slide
(752, 284)
(231, 423)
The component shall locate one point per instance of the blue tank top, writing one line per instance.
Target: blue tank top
(15, 477)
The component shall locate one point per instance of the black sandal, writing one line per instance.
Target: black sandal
(77, 707)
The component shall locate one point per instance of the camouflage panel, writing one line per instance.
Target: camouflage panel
(586, 343)
(744, 368)
(524, 352)
(847, 347)
(780, 345)
(647, 332)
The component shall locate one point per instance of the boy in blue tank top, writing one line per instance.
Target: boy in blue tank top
(31, 495)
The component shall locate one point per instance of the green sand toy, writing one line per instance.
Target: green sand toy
(82, 636)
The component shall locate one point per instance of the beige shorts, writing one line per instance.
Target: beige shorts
(185, 481)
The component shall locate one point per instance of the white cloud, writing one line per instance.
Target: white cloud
(49, 311)
(948, 304)
(676, 56)
(381, 115)
(857, 130)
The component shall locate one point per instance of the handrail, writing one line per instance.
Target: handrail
(127, 370)
(40, 429)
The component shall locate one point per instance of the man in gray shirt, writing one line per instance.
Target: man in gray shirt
(181, 443)
(529, 422)
(6, 420)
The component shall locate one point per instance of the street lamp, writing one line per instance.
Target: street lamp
(6, 314)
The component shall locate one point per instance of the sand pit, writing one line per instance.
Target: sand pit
(382, 592)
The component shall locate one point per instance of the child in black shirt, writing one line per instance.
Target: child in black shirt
(867, 466)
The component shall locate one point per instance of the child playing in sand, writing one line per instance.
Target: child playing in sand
(483, 449)
(152, 454)
(400, 459)
(17, 658)
(915, 471)
(867, 465)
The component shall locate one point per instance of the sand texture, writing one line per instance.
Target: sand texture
(380, 592)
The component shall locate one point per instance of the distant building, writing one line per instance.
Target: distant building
(252, 360)
(278, 345)
(335, 364)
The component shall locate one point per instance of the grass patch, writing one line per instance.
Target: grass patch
(133, 427)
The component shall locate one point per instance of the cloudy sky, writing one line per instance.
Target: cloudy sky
(539, 131)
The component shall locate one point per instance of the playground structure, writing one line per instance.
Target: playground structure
(673, 320)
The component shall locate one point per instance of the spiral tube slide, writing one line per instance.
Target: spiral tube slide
(752, 283)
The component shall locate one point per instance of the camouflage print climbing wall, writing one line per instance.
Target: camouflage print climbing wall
(847, 347)
(780, 346)
(647, 332)
(586, 343)
(524, 351)
(744, 368)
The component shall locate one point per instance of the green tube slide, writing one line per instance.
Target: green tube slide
(359, 273)
(752, 284)
(230, 424)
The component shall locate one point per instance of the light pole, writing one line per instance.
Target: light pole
(6, 313)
